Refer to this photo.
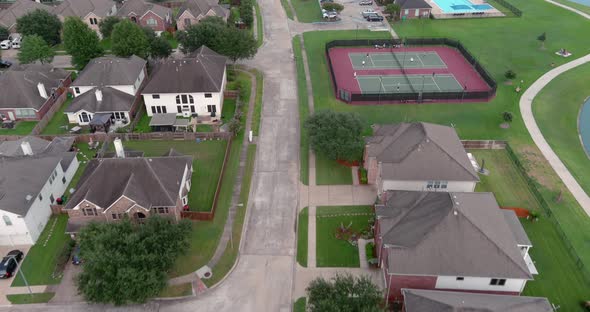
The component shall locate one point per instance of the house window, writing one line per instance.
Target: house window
(51, 198)
(417, 13)
(89, 212)
(155, 96)
(84, 117)
(93, 21)
(184, 99)
(192, 108)
(24, 113)
(63, 180)
(7, 220)
(184, 200)
(40, 196)
(211, 108)
(52, 177)
(117, 216)
(179, 108)
(134, 19)
(159, 109)
(187, 22)
(429, 184)
(119, 115)
(152, 22)
(460, 278)
(77, 90)
(406, 11)
(153, 109)
(498, 282)
(208, 95)
(164, 109)
(160, 210)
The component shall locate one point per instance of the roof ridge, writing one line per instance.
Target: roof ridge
(158, 179)
(472, 173)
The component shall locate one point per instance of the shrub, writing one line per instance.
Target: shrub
(331, 6)
(363, 179)
(370, 250)
(509, 74)
(507, 116)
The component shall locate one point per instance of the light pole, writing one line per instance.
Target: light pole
(20, 270)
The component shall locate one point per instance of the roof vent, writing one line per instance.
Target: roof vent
(26, 147)
(29, 197)
(455, 212)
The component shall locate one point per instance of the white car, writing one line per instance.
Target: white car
(329, 14)
(5, 45)
(16, 40)
(368, 12)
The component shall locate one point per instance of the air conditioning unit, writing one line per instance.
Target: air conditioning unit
(186, 114)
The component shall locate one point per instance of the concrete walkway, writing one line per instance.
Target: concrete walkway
(526, 110)
(363, 252)
(569, 9)
(336, 195)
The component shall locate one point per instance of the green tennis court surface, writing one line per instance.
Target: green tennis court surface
(392, 60)
(410, 83)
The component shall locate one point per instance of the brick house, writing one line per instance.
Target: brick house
(416, 300)
(111, 189)
(413, 9)
(90, 11)
(29, 91)
(418, 157)
(450, 241)
(192, 11)
(146, 14)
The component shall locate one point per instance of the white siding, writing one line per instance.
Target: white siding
(479, 283)
(15, 234)
(169, 101)
(452, 186)
(74, 118)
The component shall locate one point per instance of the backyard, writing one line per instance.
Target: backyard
(559, 278)
(59, 124)
(21, 128)
(332, 251)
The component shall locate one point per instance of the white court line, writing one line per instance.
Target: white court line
(434, 80)
(418, 56)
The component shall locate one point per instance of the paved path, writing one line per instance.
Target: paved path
(526, 110)
(363, 252)
(569, 9)
(336, 195)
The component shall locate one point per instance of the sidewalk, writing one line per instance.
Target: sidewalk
(336, 195)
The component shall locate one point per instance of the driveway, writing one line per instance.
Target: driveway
(66, 292)
(5, 283)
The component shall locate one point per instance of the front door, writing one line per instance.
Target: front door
(11, 116)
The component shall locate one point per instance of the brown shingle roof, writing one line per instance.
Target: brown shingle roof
(19, 8)
(81, 8)
(19, 85)
(140, 7)
(113, 100)
(110, 71)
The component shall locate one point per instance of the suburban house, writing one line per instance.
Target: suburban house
(418, 157)
(90, 11)
(416, 300)
(450, 241)
(29, 91)
(192, 11)
(146, 14)
(413, 9)
(19, 8)
(34, 173)
(107, 87)
(191, 86)
(111, 189)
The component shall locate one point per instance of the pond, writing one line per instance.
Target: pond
(584, 125)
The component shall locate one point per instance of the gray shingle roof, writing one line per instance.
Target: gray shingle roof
(110, 71)
(140, 7)
(113, 100)
(452, 234)
(153, 181)
(202, 7)
(420, 152)
(449, 301)
(517, 230)
(19, 85)
(202, 72)
(413, 4)
(81, 8)
(19, 8)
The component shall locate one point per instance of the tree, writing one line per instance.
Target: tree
(510, 74)
(41, 23)
(126, 262)
(34, 48)
(336, 135)
(80, 41)
(507, 116)
(331, 6)
(160, 48)
(4, 33)
(392, 9)
(107, 24)
(129, 39)
(542, 37)
(238, 44)
(247, 12)
(343, 293)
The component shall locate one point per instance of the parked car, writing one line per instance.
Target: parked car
(76, 260)
(5, 64)
(16, 40)
(366, 2)
(374, 18)
(368, 12)
(329, 14)
(5, 45)
(10, 263)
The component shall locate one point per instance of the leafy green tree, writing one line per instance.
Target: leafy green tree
(507, 116)
(41, 23)
(542, 37)
(160, 48)
(33, 49)
(336, 135)
(80, 41)
(107, 24)
(4, 33)
(129, 39)
(127, 263)
(510, 74)
(331, 6)
(247, 12)
(343, 293)
(392, 9)
(238, 44)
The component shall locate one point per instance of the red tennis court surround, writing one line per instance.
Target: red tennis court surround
(455, 64)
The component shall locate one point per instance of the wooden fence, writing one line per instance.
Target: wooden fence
(59, 102)
(483, 144)
(101, 137)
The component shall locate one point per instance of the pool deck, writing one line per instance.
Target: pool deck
(438, 13)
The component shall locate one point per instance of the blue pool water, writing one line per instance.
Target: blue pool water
(584, 124)
(463, 6)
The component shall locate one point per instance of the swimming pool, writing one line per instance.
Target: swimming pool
(461, 6)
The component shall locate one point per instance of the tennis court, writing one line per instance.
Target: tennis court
(395, 60)
(409, 83)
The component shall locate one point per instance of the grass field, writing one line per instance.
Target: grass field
(302, 232)
(207, 162)
(330, 172)
(307, 11)
(84, 155)
(259, 26)
(303, 111)
(333, 252)
(21, 128)
(258, 104)
(59, 124)
(571, 4)
(556, 110)
(39, 263)
(299, 305)
(559, 278)
(33, 298)
(180, 290)
(287, 8)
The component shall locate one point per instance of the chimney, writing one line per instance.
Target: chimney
(42, 91)
(119, 151)
(98, 94)
(26, 147)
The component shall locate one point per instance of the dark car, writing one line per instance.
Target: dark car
(5, 64)
(10, 263)
(374, 18)
(76, 256)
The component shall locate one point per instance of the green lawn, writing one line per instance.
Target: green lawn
(207, 162)
(39, 263)
(204, 128)
(303, 111)
(302, 231)
(143, 125)
(179, 290)
(33, 298)
(258, 104)
(59, 124)
(106, 44)
(84, 155)
(21, 128)
(330, 172)
(299, 305)
(333, 252)
(259, 26)
(559, 278)
(287, 8)
(556, 110)
(307, 11)
(571, 4)
(228, 110)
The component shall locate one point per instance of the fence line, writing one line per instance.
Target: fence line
(483, 144)
(57, 104)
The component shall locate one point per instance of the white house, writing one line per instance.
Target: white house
(34, 173)
(188, 86)
(418, 157)
(450, 241)
(114, 82)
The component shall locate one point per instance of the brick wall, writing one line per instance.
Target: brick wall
(161, 23)
(397, 282)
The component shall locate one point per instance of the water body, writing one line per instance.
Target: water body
(582, 2)
(584, 124)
